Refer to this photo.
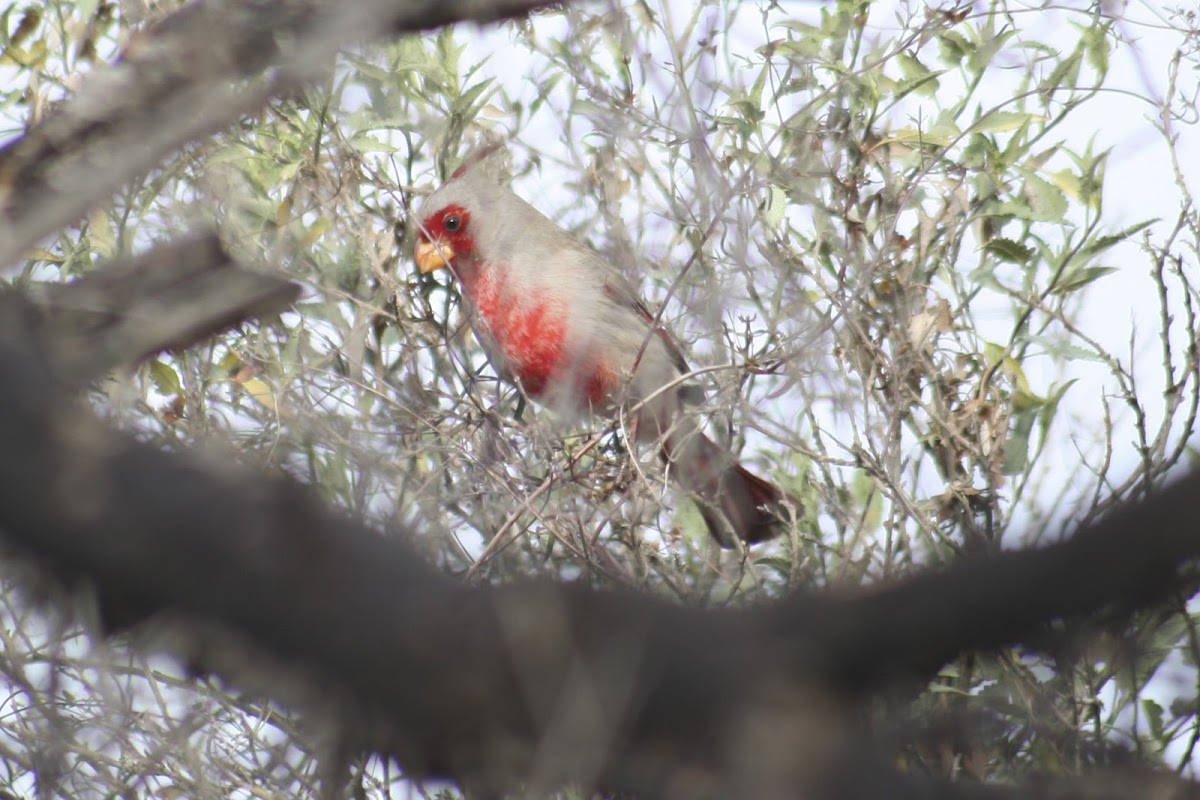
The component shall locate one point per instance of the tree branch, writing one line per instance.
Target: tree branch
(173, 295)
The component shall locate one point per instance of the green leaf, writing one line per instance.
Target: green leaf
(941, 688)
(1095, 40)
(917, 77)
(1069, 182)
(775, 206)
(368, 70)
(979, 152)
(749, 111)
(754, 96)
(464, 103)
(1078, 278)
(803, 50)
(1008, 250)
(782, 566)
(1064, 76)
(802, 28)
(366, 143)
(918, 136)
(448, 55)
(288, 171)
(1046, 201)
(994, 353)
(1016, 449)
(1049, 411)
(805, 44)
(1154, 718)
(1104, 242)
(165, 378)
(911, 67)
(101, 236)
(953, 46)
(1023, 399)
(1001, 121)
(989, 44)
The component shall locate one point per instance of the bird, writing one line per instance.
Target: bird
(571, 331)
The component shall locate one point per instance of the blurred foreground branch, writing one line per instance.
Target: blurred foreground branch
(173, 295)
(526, 685)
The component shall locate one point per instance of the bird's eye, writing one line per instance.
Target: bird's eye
(452, 222)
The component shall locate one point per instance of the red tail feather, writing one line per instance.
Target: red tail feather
(733, 501)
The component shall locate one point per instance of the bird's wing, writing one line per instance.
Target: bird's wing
(617, 289)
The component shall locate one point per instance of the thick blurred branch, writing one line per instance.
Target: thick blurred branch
(192, 74)
(171, 296)
(534, 684)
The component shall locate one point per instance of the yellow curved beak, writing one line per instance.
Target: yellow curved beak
(432, 256)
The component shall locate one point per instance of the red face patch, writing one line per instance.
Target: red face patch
(452, 225)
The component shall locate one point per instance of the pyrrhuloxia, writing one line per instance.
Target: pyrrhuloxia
(573, 333)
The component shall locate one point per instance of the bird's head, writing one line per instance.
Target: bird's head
(445, 236)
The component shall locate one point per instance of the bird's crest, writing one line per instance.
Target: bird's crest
(487, 158)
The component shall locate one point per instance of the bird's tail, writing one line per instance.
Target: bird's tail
(734, 502)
